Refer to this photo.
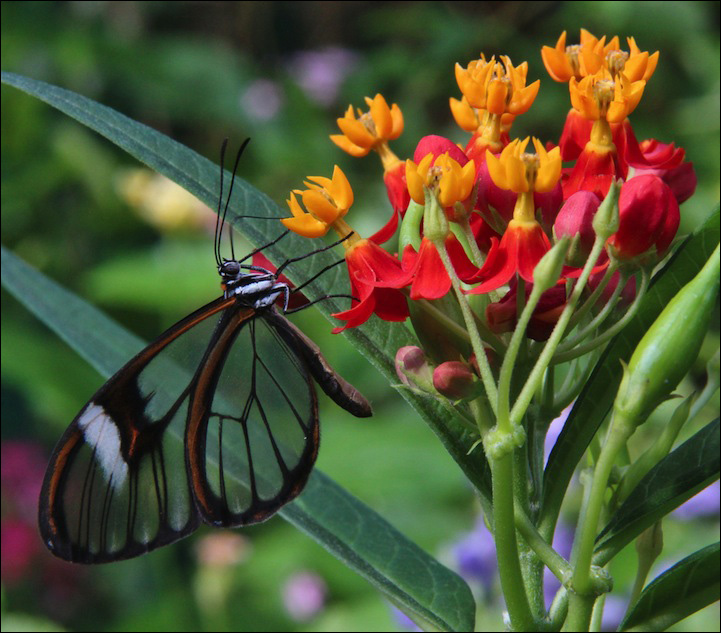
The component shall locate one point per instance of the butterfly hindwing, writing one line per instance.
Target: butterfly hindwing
(252, 434)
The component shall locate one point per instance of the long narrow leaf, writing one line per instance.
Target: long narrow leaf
(687, 587)
(351, 531)
(677, 477)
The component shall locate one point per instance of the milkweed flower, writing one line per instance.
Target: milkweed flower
(449, 177)
(326, 202)
(524, 242)
(495, 90)
(445, 177)
(592, 54)
(374, 276)
(371, 130)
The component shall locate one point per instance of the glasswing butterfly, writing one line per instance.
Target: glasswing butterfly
(161, 448)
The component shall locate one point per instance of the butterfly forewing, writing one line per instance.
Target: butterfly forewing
(116, 484)
(253, 432)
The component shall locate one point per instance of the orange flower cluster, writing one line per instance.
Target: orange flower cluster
(496, 206)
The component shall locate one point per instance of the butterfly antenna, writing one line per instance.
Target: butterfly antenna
(218, 227)
(230, 192)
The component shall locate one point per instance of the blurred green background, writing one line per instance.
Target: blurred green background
(281, 73)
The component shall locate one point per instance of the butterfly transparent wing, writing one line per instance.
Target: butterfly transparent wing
(116, 485)
(252, 434)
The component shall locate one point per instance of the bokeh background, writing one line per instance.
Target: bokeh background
(79, 209)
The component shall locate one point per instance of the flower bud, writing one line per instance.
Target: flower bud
(548, 269)
(575, 220)
(413, 368)
(648, 217)
(438, 145)
(681, 180)
(606, 221)
(669, 347)
(665, 161)
(456, 381)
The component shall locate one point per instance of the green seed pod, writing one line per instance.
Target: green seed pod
(669, 348)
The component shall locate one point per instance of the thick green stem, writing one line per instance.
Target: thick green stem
(580, 610)
(504, 533)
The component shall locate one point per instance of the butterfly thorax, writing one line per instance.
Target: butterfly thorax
(252, 285)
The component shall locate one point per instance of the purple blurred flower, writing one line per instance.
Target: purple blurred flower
(705, 503)
(614, 608)
(304, 595)
(403, 621)
(475, 555)
(320, 73)
(262, 99)
(554, 430)
(562, 543)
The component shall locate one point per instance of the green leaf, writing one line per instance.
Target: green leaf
(595, 401)
(684, 472)
(377, 340)
(362, 539)
(687, 587)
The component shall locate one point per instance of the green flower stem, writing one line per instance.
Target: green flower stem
(597, 615)
(482, 415)
(654, 454)
(597, 321)
(591, 301)
(559, 609)
(580, 610)
(575, 381)
(509, 566)
(536, 375)
(504, 533)
(618, 434)
(476, 342)
(563, 355)
(649, 546)
(509, 361)
(475, 254)
(558, 565)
